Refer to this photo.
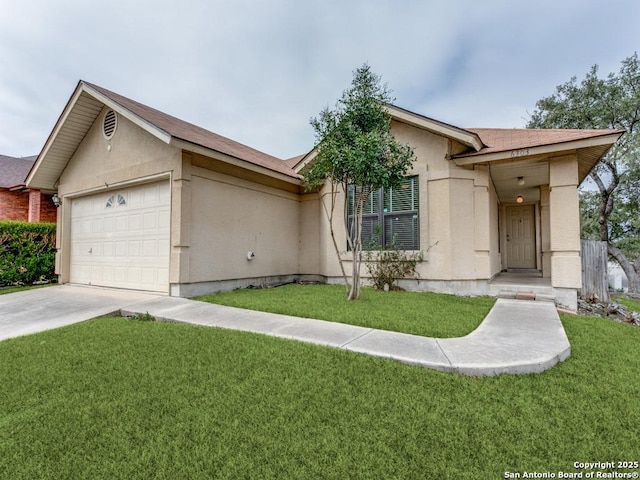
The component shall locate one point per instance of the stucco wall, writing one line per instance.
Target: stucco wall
(545, 234)
(133, 155)
(231, 217)
(564, 222)
(311, 213)
(458, 215)
(495, 259)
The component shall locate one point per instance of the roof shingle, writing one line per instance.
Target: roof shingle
(13, 171)
(197, 135)
(505, 139)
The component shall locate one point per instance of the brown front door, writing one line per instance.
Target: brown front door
(521, 237)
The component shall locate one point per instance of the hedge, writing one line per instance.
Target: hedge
(27, 253)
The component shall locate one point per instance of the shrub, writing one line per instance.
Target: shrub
(27, 253)
(388, 265)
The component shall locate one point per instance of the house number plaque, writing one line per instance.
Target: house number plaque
(519, 153)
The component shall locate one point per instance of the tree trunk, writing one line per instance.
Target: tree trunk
(329, 213)
(631, 270)
(356, 242)
(606, 199)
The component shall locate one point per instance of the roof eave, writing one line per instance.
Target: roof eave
(588, 171)
(128, 114)
(29, 181)
(461, 135)
(304, 161)
(34, 180)
(238, 162)
(401, 115)
(472, 159)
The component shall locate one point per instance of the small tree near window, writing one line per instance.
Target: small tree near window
(355, 147)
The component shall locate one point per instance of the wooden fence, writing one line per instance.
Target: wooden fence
(594, 269)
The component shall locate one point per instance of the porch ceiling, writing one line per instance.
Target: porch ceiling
(505, 179)
(513, 153)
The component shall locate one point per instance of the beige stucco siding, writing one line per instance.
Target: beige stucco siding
(545, 234)
(486, 229)
(231, 217)
(310, 216)
(458, 215)
(132, 155)
(495, 259)
(564, 222)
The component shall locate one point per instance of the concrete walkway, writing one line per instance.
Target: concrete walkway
(516, 337)
(41, 309)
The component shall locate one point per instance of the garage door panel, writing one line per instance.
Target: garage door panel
(107, 273)
(121, 239)
(135, 223)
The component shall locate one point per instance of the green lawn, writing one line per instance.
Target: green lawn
(426, 314)
(5, 290)
(114, 398)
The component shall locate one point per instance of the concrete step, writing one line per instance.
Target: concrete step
(521, 295)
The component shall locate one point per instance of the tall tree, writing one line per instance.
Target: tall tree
(356, 150)
(611, 213)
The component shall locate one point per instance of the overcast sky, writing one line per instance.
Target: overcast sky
(257, 71)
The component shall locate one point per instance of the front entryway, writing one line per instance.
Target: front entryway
(521, 237)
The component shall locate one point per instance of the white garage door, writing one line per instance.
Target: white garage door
(121, 238)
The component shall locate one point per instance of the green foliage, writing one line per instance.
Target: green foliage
(115, 399)
(387, 265)
(143, 317)
(27, 252)
(354, 146)
(589, 213)
(611, 213)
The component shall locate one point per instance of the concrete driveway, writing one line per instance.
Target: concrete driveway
(42, 309)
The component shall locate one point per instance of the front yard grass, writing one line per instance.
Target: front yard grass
(14, 289)
(123, 399)
(426, 314)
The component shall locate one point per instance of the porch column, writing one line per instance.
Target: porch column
(482, 222)
(564, 223)
(545, 238)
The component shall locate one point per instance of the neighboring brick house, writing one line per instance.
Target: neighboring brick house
(17, 202)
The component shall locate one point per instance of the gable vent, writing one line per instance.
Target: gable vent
(109, 124)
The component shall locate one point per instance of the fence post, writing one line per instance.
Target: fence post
(595, 274)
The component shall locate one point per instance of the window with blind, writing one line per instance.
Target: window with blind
(390, 213)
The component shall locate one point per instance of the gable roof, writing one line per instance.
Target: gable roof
(508, 139)
(483, 144)
(466, 137)
(13, 171)
(87, 102)
(507, 144)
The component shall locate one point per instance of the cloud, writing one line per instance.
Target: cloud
(257, 71)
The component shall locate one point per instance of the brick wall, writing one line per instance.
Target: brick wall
(48, 211)
(14, 205)
(32, 206)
